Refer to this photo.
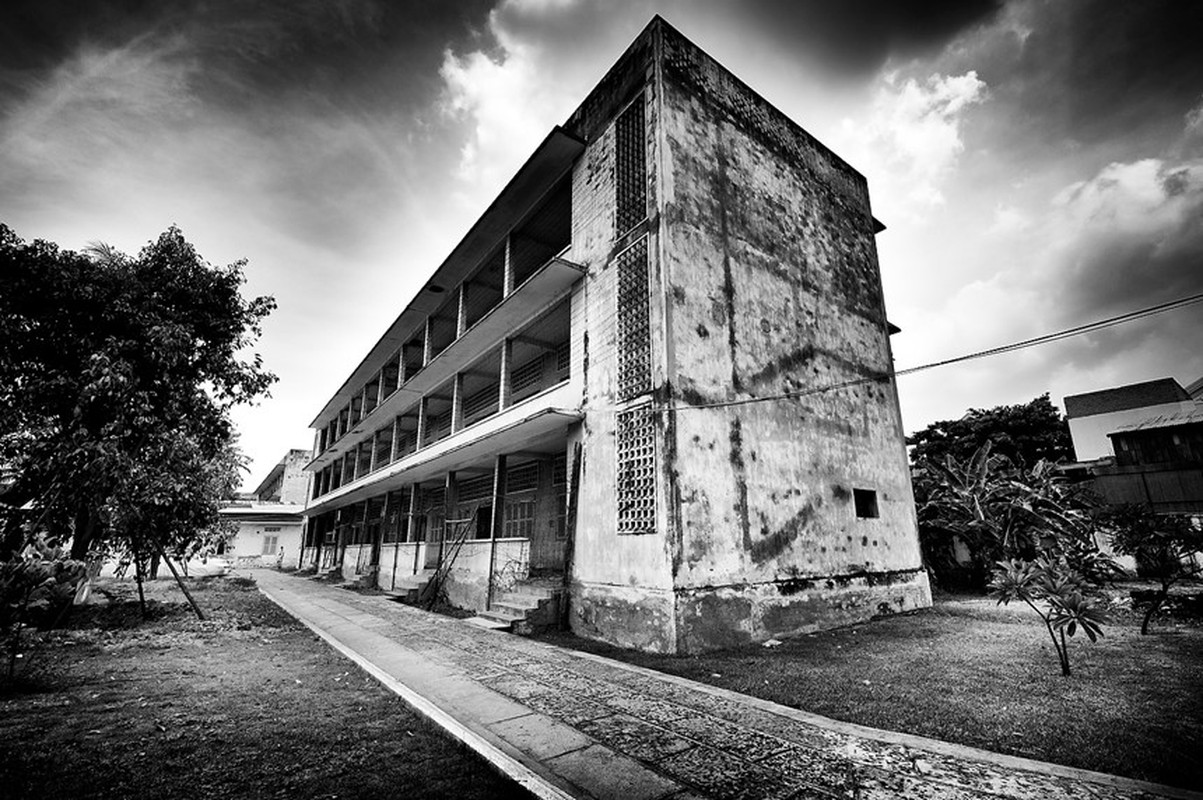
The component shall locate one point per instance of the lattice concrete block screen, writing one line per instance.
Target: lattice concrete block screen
(636, 471)
(630, 185)
(634, 340)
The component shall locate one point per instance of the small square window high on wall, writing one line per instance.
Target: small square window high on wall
(866, 503)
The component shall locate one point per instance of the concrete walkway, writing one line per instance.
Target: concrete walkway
(568, 724)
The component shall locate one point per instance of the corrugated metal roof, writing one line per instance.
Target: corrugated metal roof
(1164, 421)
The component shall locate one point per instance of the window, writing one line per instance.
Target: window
(634, 337)
(519, 519)
(630, 167)
(636, 471)
(522, 478)
(271, 545)
(272, 529)
(866, 503)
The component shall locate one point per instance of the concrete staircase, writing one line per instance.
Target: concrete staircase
(409, 589)
(531, 605)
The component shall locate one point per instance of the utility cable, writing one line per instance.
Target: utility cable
(1047, 338)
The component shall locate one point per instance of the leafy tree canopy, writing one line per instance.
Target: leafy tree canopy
(117, 375)
(1024, 434)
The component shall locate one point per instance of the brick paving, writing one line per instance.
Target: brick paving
(578, 725)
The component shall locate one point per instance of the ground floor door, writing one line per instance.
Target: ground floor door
(434, 536)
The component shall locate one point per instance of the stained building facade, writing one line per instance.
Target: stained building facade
(656, 371)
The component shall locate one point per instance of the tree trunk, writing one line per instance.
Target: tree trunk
(1064, 653)
(82, 534)
(138, 577)
(199, 614)
(1157, 603)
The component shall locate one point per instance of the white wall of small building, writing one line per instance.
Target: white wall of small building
(248, 544)
(1089, 434)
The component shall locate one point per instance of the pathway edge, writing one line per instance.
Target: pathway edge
(509, 766)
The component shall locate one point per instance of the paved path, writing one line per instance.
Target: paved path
(568, 724)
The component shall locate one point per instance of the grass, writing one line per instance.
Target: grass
(246, 704)
(971, 672)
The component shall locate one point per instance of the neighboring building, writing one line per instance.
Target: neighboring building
(662, 270)
(270, 519)
(1158, 462)
(1095, 415)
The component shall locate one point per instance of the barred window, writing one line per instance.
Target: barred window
(527, 375)
(559, 470)
(478, 488)
(634, 345)
(630, 167)
(481, 403)
(522, 478)
(636, 471)
(519, 518)
(563, 356)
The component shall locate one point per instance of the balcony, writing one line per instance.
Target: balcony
(531, 424)
(545, 285)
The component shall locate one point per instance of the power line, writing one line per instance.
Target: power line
(1047, 338)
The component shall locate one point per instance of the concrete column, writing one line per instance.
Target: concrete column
(426, 344)
(504, 390)
(422, 412)
(450, 502)
(461, 313)
(497, 522)
(411, 530)
(457, 402)
(507, 274)
(392, 450)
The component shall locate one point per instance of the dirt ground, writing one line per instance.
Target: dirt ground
(971, 672)
(246, 704)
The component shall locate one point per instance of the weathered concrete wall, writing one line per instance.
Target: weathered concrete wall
(396, 562)
(773, 288)
(621, 583)
(468, 582)
(295, 484)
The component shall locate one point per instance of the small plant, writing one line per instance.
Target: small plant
(1164, 546)
(1057, 593)
(38, 579)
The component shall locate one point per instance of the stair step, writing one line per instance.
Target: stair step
(503, 616)
(543, 592)
(511, 609)
(521, 600)
(490, 624)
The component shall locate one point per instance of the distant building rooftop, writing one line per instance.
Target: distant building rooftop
(1164, 421)
(1122, 398)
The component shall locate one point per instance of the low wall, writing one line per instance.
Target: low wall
(468, 582)
(728, 616)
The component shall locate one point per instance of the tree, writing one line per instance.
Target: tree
(1164, 546)
(1024, 434)
(1034, 527)
(117, 375)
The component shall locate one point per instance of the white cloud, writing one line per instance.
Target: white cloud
(1008, 220)
(507, 99)
(912, 138)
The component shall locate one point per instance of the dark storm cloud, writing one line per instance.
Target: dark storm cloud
(1089, 72)
(1141, 244)
(247, 47)
(856, 37)
(308, 103)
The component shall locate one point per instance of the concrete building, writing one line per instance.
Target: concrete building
(1093, 416)
(656, 370)
(271, 518)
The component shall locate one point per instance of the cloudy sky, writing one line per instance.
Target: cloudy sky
(1038, 164)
